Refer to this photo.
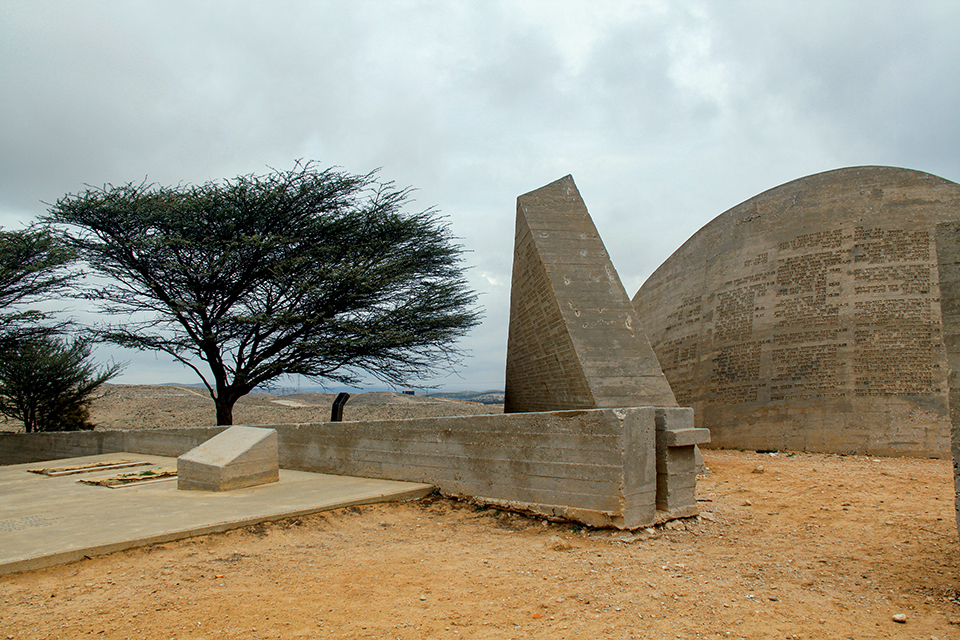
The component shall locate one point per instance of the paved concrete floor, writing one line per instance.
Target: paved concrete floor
(45, 521)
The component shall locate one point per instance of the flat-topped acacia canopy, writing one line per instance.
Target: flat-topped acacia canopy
(300, 272)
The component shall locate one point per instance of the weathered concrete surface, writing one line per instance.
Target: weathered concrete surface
(45, 521)
(677, 441)
(807, 317)
(597, 467)
(575, 341)
(233, 459)
(593, 466)
(948, 263)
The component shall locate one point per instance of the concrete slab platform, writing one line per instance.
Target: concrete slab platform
(45, 521)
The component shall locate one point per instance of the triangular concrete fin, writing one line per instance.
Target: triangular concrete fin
(575, 341)
(543, 371)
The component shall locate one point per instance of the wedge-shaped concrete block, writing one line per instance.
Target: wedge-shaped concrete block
(233, 459)
(575, 340)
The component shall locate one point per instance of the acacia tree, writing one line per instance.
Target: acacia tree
(47, 383)
(44, 382)
(301, 272)
(32, 265)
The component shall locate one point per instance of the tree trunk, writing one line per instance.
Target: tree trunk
(224, 411)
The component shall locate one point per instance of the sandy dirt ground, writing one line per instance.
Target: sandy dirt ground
(787, 546)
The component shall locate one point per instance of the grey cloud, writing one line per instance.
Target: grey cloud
(665, 113)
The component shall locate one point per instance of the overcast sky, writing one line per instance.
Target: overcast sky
(665, 113)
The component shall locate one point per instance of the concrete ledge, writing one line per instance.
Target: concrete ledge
(686, 437)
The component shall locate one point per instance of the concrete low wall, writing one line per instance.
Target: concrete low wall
(595, 466)
(18, 448)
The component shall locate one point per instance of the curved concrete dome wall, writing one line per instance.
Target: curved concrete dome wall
(808, 317)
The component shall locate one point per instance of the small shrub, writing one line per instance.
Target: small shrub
(47, 383)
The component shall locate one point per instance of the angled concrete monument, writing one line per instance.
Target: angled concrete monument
(575, 340)
(233, 459)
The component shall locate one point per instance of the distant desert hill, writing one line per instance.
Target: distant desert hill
(154, 406)
(485, 397)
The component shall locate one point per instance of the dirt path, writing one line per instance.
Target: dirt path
(814, 547)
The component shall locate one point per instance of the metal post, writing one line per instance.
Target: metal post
(336, 414)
